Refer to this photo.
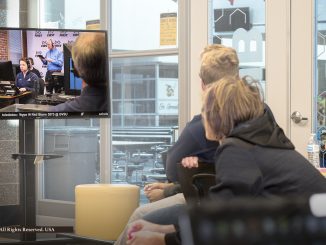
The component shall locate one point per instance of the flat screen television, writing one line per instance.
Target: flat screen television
(40, 104)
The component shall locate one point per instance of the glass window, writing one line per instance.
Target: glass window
(320, 91)
(145, 92)
(144, 113)
(72, 14)
(136, 28)
(77, 140)
(241, 25)
(9, 13)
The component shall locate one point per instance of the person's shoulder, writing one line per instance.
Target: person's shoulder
(37, 72)
(32, 75)
(227, 150)
(68, 106)
(196, 118)
(237, 142)
(195, 123)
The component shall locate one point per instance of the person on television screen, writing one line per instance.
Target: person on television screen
(27, 81)
(89, 58)
(54, 61)
(32, 68)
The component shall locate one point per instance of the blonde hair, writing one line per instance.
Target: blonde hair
(228, 103)
(89, 56)
(218, 61)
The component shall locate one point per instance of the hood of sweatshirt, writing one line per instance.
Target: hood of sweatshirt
(262, 131)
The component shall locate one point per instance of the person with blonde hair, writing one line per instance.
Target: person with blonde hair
(254, 159)
(217, 61)
(90, 64)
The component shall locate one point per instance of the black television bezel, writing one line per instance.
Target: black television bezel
(61, 115)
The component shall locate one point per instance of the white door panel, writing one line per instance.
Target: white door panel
(302, 46)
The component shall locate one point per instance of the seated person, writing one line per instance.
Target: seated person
(89, 57)
(54, 61)
(27, 80)
(255, 158)
(33, 69)
(217, 61)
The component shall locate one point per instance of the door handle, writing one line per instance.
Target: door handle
(297, 117)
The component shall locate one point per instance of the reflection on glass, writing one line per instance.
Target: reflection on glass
(78, 141)
(320, 92)
(145, 92)
(9, 13)
(144, 113)
(144, 24)
(72, 14)
(241, 25)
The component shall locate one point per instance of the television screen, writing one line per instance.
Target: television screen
(56, 89)
(6, 71)
(73, 83)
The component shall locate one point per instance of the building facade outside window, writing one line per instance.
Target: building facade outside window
(241, 25)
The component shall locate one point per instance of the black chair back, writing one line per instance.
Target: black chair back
(41, 87)
(195, 182)
(247, 221)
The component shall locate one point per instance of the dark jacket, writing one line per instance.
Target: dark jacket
(36, 72)
(267, 165)
(29, 82)
(191, 142)
(92, 99)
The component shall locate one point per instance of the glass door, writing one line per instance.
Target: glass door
(241, 25)
(277, 43)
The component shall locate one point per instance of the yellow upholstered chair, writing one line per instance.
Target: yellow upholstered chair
(102, 210)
